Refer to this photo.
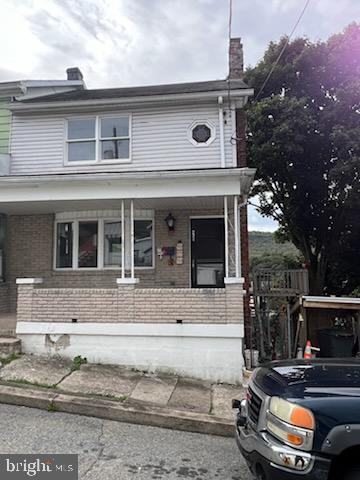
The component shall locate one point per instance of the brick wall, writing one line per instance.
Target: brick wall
(4, 298)
(244, 235)
(128, 303)
(29, 249)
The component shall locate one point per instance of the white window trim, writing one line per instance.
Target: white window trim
(100, 259)
(194, 124)
(97, 139)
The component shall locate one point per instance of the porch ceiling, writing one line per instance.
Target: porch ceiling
(185, 203)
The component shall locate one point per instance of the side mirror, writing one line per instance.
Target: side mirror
(236, 404)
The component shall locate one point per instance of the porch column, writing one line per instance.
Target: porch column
(132, 241)
(122, 239)
(237, 238)
(234, 224)
(226, 224)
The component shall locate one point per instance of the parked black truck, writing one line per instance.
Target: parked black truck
(301, 420)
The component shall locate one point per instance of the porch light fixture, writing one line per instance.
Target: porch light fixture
(170, 222)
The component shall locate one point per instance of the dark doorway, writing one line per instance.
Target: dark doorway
(207, 252)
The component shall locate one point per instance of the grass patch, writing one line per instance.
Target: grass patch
(10, 358)
(52, 407)
(77, 362)
(108, 396)
(122, 398)
(32, 384)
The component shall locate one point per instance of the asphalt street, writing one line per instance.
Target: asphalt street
(112, 450)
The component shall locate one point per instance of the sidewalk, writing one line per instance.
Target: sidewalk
(112, 391)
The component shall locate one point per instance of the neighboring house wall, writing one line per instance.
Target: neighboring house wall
(31, 246)
(159, 140)
(5, 121)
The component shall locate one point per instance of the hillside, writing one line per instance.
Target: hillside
(264, 252)
(263, 243)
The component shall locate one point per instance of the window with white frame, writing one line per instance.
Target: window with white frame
(98, 139)
(97, 244)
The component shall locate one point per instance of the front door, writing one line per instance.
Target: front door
(207, 252)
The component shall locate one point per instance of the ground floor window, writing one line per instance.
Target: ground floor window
(143, 254)
(98, 244)
(112, 243)
(64, 245)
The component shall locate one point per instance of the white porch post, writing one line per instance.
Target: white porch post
(132, 242)
(236, 228)
(122, 239)
(226, 237)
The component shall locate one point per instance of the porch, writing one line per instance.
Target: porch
(113, 280)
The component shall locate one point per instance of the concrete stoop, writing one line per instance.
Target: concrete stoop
(9, 346)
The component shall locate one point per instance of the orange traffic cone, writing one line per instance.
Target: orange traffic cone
(307, 351)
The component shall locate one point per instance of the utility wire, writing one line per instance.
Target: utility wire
(288, 38)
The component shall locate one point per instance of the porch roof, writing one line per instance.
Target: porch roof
(337, 303)
(74, 191)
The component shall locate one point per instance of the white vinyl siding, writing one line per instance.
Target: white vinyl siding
(158, 136)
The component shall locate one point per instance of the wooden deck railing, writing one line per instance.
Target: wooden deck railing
(284, 283)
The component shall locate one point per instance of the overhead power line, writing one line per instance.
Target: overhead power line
(288, 38)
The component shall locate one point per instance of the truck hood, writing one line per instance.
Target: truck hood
(299, 379)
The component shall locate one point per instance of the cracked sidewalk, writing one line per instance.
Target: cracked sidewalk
(134, 390)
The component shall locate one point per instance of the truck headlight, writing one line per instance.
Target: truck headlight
(291, 423)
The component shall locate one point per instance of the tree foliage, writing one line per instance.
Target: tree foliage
(304, 140)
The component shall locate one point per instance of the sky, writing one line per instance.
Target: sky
(144, 42)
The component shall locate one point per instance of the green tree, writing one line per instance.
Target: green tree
(304, 140)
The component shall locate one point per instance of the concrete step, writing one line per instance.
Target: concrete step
(9, 346)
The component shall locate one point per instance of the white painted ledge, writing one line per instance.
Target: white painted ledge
(28, 281)
(233, 280)
(127, 281)
(226, 330)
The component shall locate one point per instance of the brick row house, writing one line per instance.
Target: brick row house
(122, 212)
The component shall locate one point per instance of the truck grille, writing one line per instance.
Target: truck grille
(254, 406)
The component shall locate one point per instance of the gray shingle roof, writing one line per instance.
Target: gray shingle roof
(170, 89)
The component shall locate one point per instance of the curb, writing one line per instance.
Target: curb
(111, 410)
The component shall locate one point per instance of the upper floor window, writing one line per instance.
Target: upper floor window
(201, 133)
(98, 139)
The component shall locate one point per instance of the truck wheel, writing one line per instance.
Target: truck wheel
(352, 473)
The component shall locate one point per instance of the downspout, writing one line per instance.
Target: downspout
(221, 130)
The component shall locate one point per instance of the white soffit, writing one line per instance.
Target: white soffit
(150, 185)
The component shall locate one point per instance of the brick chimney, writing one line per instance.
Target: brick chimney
(74, 73)
(236, 59)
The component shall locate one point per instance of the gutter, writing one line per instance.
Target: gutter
(221, 128)
(12, 89)
(118, 102)
(28, 179)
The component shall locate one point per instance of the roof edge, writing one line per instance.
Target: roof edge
(240, 94)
